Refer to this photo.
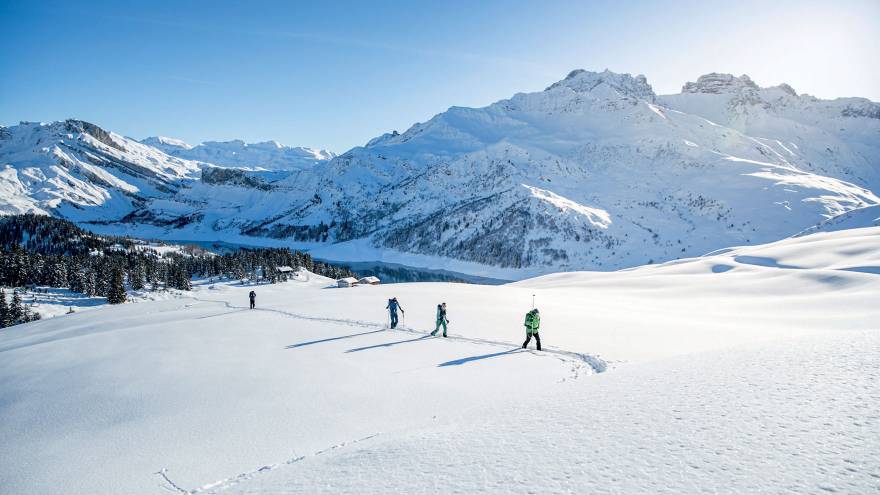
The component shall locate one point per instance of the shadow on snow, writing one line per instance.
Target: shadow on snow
(457, 362)
(303, 344)
(388, 344)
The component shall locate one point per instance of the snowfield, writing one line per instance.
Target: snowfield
(749, 370)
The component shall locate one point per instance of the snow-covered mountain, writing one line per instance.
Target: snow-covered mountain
(839, 138)
(269, 155)
(77, 170)
(595, 172)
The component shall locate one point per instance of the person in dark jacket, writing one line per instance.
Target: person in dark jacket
(533, 323)
(392, 307)
(253, 296)
(441, 319)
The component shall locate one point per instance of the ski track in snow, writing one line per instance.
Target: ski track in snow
(234, 480)
(794, 417)
(579, 363)
(579, 360)
(757, 379)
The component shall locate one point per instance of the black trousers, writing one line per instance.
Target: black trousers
(529, 339)
(252, 304)
(393, 319)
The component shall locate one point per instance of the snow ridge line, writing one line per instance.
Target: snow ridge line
(597, 364)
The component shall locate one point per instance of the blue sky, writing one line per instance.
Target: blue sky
(334, 76)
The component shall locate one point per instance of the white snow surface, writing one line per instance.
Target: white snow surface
(752, 370)
(268, 155)
(868, 216)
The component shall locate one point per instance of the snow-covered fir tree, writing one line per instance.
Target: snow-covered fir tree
(116, 291)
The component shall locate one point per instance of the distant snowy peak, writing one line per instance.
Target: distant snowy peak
(743, 90)
(816, 126)
(267, 155)
(718, 83)
(166, 143)
(77, 169)
(582, 81)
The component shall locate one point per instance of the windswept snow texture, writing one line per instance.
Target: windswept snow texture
(269, 155)
(675, 378)
(596, 172)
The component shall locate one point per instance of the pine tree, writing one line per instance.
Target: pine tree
(136, 276)
(116, 293)
(16, 309)
(184, 283)
(5, 319)
(59, 275)
(91, 284)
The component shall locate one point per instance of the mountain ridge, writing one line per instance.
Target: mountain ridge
(594, 172)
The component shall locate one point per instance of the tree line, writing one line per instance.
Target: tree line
(37, 250)
(15, 311)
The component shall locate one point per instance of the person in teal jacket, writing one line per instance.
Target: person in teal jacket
(441, 319)
(533, 323)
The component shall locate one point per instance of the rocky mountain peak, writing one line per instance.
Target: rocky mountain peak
(74, 126)
(583, 81)
(717, 83)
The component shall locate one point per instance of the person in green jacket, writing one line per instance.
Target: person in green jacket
(533, 322)
(441, 319)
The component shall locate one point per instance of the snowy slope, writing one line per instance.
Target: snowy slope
(77, 170)
(592, 173)
(868, 216)
(596, 172)
(838, 138)
(268, 155)
(675, 378)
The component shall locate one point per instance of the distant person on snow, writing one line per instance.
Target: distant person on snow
(533, 322)
(441, 319)
(392, 307)
(253, 296)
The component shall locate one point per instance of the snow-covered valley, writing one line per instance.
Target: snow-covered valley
(596, 172)
(750, 370)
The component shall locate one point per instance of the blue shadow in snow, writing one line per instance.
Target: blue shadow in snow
(763, 261)
(458, 362)
(331, 339)
(387, 344)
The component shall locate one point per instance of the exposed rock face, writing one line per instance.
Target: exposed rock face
(77, 126)
(864, 108)
(719, 83)
(786, 88)
(233, 177)
(584, 82)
